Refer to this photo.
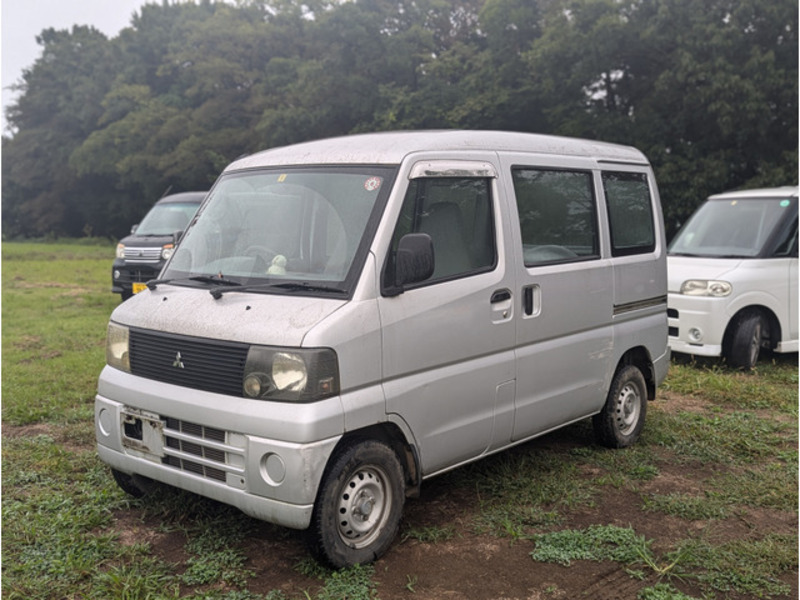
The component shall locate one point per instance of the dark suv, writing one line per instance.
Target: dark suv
(141, 255)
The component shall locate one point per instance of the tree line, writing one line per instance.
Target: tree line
(103, 127)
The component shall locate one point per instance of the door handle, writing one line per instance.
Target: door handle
(500, 296)
(532, 300)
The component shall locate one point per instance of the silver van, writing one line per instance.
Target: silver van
(346, 318)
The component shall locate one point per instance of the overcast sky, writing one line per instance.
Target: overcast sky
(22, 20)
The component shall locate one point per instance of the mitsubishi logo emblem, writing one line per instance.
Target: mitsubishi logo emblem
(178, 362)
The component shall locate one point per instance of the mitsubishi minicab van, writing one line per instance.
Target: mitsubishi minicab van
(733, 277)
(346, 318)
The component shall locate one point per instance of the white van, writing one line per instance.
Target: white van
(733, 277)
(346, 318)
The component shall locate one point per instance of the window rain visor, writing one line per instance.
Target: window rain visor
(271, 229)
(733, 228)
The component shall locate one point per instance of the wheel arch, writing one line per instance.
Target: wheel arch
(770, 319)
(640, 358)
(391, 435)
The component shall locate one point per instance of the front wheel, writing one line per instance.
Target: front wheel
(359, 505)
(745, 343)
(135, 485)
(620, 422)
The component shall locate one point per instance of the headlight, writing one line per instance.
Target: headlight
(296, 375)
(167, 250)
(703, 287)
(120, 250)
(117, 354)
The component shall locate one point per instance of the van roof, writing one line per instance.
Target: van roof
(776, 192)
(392, 147)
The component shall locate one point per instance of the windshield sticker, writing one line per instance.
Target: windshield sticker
(282, 178)
(784, 203)
(372, 184)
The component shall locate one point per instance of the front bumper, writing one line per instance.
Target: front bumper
(124, 274)
(697, 324)
(211, 448)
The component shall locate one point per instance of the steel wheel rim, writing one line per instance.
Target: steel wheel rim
(365, 502)
(627, 409)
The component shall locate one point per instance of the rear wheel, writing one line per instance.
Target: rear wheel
(745, 341)
(620, 422)
(359, 505)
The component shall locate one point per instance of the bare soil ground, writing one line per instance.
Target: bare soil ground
(472, 566)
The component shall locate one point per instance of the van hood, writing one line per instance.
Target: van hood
(681, 268)
(266, 319)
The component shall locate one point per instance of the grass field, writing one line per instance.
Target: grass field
(705, 506)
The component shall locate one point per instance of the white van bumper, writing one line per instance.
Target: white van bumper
(697, 324)
(192, 447)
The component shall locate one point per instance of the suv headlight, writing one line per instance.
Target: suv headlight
(167, 250)
(704, 287)
(120, 250)
(117, 347)
(290, 375)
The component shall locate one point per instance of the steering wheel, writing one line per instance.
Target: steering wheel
(260, 252)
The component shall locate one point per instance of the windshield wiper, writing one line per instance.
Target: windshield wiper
(289, 286)
(309, 287)
(215, 279)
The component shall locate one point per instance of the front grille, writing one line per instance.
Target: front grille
(673, 332)
(672, 313)
(140, 273)
(201, 450)
(191, 362)
(143, 254)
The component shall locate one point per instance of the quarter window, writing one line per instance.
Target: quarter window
(630, 213)
(557, 215)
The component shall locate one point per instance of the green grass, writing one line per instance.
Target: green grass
(56, 303)
(772, 385)
(737, 437)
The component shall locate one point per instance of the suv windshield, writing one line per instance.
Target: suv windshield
(731, 228)
(269, 228)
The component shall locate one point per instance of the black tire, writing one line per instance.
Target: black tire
(134, 485)
(620, 422)
(745, 341)
(359, 505)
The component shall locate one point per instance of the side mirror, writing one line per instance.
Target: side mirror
(414, 260)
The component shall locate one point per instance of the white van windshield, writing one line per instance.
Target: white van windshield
(287, 229)
(731, 228)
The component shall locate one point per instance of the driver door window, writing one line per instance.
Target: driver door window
(457, 214)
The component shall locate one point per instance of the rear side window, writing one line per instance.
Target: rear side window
(630, 213)
(557, 215)
(457, 214)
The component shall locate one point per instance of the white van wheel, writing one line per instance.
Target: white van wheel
(620, 422)
(359, 505)
(745, 343)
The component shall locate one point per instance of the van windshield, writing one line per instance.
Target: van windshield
(284, 231)
(731, 228)
(167, 218)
